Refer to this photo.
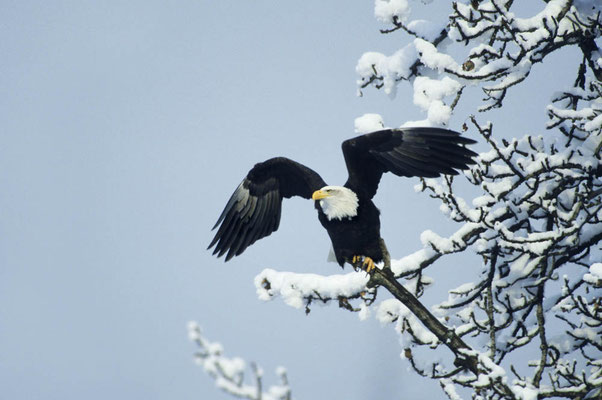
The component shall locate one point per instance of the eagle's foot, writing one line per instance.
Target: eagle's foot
(366, 263)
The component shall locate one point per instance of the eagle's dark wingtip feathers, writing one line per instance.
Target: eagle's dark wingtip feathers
(429, 152)
(413, 151)
(253, 210)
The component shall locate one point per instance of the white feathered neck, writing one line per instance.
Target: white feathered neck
(341, 203)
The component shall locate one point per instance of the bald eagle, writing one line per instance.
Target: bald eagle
(346, 212)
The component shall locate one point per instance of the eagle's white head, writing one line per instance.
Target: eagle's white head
(337, 202)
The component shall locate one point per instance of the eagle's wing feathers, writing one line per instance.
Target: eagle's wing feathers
(424, 152)
(253, 211)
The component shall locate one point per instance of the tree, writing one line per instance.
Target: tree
(535, 222)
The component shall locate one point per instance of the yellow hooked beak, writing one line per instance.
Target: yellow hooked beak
(319, 194)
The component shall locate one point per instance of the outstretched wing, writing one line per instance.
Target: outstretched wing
(253, 211)
(424, 152)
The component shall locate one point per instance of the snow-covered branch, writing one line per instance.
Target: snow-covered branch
(484, 44)
(301, 290)
(229, 373)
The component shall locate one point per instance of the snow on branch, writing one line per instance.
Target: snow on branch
(490, 47)
(537, 222)
(537, 226)
(301, 290)
(229, 373)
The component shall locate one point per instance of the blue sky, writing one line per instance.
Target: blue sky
(125, 128)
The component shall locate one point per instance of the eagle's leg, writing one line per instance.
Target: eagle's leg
(365, 263)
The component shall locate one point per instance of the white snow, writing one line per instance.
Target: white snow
(385, 10)
(232, 366)
(432, 58)
(229, 373)
(368, 123)
(589, 334)
(389, 310)
(463, 288)
(525, 393)
(449, 389)
(412, 261)
(390, 68)
(294, 288)
(594, 276)
(364, 311)
(429, 94)
(392, 310)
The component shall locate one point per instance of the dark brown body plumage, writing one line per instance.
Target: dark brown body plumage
(359, 235)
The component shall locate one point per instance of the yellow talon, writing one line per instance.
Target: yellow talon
(369, 263)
